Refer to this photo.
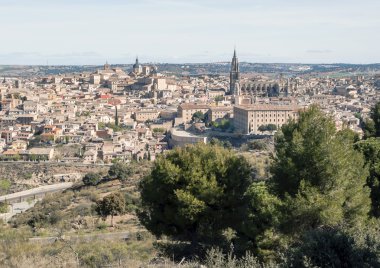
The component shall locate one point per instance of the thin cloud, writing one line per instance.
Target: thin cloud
(317, 51)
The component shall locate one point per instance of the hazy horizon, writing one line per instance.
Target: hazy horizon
(84, 32)
(191, 63)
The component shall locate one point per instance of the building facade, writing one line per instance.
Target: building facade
(187, 110)
(248, 119)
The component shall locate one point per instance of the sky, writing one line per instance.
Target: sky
(57, 32)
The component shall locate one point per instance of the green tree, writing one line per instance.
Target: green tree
(371, 150)
(5, 185)
(333, 247)
(4, 207)
(159, 130)
(262, 218)
(369, 128)
(318, 174)
(269, 127)
(116, 117)
(219, 98)
(217, 142)
(224, 124)
(194, 193)
(198, 116)
(101, 125)
(121, 171)
(259, 145)
(375, 116)
(111, 205)
(92, 178)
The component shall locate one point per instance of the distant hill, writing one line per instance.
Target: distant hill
(195, 69)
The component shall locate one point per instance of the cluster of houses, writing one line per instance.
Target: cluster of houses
(111, 114)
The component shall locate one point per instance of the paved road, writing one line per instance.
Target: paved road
(17, 208)
(24, 200)
(86, 237)
(35, 192)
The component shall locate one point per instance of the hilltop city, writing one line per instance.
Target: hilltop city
(134, 114)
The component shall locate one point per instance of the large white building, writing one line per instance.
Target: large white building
(249, 118)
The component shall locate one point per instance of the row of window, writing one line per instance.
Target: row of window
(270, 115)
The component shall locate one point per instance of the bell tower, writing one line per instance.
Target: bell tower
(234, 73)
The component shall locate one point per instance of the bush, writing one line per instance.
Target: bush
(331, 247)
(269, 127)
(4, 208)
(120, 171)
(257, 145)
(92, 179)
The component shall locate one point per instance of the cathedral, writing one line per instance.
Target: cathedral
(250, 89)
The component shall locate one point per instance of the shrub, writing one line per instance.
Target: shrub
(92, 179)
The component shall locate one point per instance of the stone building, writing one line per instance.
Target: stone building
(252, 88)
(186, 110)
(248, 119)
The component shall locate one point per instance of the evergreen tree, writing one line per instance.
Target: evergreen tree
(194, 193)
(116, 117)
(332, 247)
(318, 174)
(369, 129)
(375, 116)
(371, 150)
(261, 220)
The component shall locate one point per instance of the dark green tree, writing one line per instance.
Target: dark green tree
(198, 116)
(217, 142)
(194, 193)
(269, 127)
(332, 247)
(116, 117)
(219, 98)
(121, 171)
(375, 116)
(92, 178)
(262, 218)
(111, 205)
(369, 128)
(318, 174)
(371, 150)
(259, 145)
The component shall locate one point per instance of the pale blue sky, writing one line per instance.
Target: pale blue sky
(176, 31)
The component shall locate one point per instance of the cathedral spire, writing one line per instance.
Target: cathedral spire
(235, 63)
(234, 74)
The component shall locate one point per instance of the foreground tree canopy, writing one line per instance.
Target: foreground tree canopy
(195, 193)
(318, 173)
(371, 126)
(371, 150)
(319, 178)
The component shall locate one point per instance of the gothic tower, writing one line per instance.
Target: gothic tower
(234, 74)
